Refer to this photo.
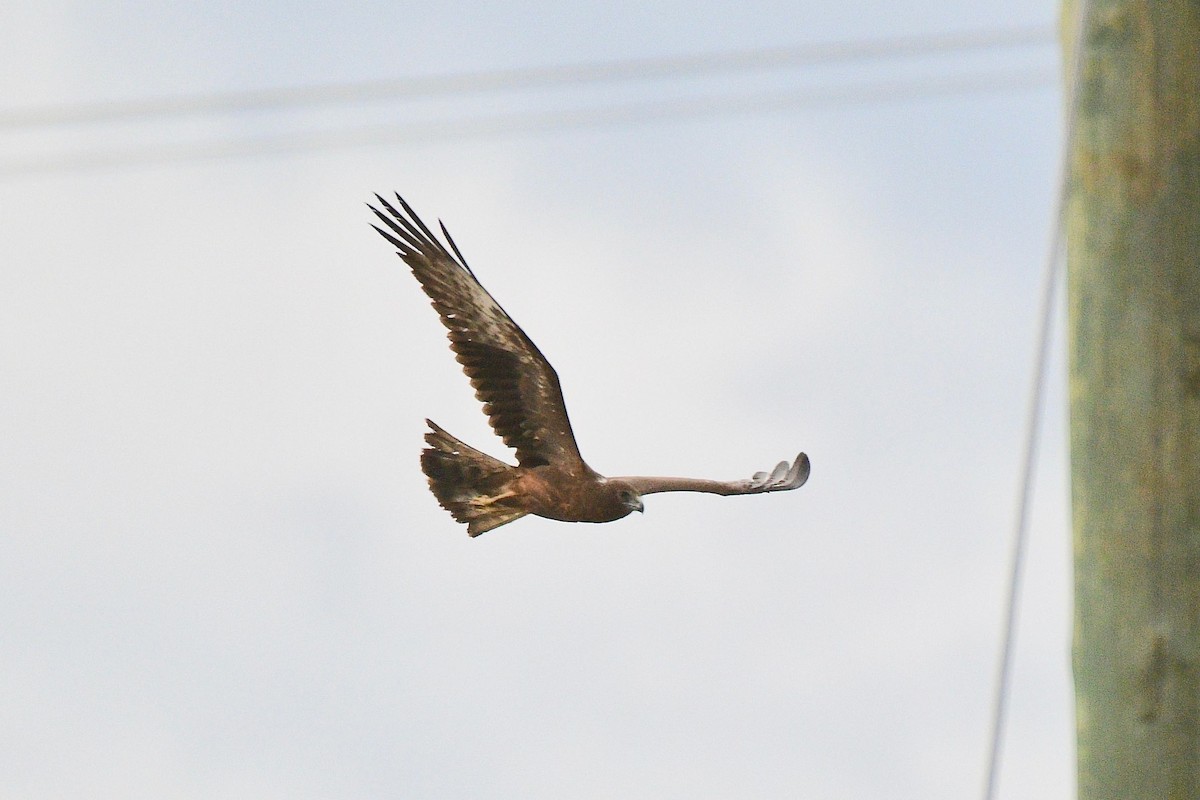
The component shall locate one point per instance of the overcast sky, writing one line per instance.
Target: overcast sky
(221, 572)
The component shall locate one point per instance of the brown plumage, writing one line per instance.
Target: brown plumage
(524, 405)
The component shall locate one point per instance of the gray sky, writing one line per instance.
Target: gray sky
(221, 574)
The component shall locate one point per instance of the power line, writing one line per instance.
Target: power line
(482, 127)
(523, 78)
(1054, 255)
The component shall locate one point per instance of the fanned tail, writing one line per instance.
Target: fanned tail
(467, 483)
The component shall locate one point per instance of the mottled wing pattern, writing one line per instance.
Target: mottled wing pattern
(783, 478)
(516, 384)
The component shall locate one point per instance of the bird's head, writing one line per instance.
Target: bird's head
(628, 497)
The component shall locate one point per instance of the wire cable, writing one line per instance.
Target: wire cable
(490, 127)
(1034, 412)
(524, 78)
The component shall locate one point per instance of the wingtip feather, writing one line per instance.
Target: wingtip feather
(800, 471)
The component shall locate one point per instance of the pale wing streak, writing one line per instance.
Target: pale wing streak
(781, 479)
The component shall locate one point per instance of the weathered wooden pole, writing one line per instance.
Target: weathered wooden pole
(1133, 233)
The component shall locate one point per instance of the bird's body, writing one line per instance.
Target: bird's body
(485, 493)
(524, 404)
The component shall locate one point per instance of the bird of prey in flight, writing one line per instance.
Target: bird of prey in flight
(524, 405)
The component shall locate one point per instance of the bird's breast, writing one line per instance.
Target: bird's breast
(558, 494)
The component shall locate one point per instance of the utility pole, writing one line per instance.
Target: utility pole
(1133, 233)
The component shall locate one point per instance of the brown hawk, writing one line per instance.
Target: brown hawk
(524, 404)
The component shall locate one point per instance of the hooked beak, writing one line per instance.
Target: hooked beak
(641, 509)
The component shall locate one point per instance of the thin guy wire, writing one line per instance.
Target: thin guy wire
(1033, 419)
(484, 127)
(521, 78)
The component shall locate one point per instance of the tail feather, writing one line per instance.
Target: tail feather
(461, 477)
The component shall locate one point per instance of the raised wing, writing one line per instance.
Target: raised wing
(781, 479)
(516, 384)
